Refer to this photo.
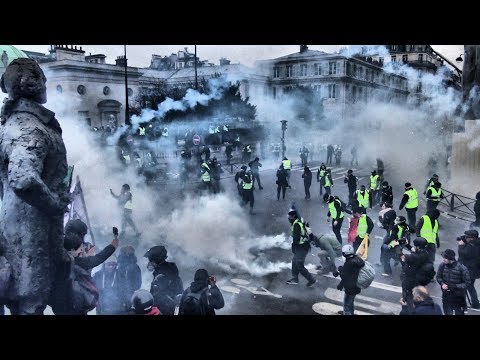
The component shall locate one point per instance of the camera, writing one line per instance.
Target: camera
(461, 238)
(212, 279)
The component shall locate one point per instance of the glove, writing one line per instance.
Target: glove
(339, 287)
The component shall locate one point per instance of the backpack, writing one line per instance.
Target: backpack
(85, 293)
(425, 274)
(192, 305)
(365, 276)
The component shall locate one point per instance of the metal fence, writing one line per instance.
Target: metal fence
(458, 203)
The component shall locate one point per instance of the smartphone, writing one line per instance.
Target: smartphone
(115, 232)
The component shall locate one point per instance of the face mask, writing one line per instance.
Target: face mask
(150, 267)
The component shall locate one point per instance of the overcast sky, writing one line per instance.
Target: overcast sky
(140, 55)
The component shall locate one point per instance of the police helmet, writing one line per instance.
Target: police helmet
(348, 251)
(156, 254)
(142, 301)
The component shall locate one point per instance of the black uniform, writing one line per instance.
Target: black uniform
(351, 181)
(282, 182)
(307, 182)
(456, 276)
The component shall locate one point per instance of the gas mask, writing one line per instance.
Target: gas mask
(151, 266)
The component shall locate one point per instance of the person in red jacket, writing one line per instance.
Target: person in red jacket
(142, 303)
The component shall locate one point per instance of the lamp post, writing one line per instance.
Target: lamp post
(284, 127)
(127, 110)
(196, 81)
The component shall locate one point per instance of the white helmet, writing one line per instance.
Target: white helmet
(347, 250)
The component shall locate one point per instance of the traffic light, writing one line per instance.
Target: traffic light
(284, 124)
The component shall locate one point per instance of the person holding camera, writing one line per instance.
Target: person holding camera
(398, 238)
(469, 255)
(202, 297)
(454, 279)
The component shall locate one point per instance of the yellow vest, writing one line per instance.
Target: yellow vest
(362, 226)
(327, 182)
(412, 199)
(374, 182)
(287, 164)
(427, 232)
(205, 175)
(128, 205)
(303, 233)
(435, 194)
(399, 236)
(247, 186)
(333, 211)
(363, 200)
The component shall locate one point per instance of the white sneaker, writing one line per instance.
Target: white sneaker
(386, 275)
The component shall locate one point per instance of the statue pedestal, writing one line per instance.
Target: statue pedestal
(465, 161)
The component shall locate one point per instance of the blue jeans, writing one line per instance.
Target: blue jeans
(348, 307)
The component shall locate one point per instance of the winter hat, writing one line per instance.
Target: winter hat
(407, 185)
(449, 254)
(471, 233)
(201, 275)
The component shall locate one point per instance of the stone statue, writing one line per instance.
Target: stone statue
(4, 58)
(471, 80)
(33, 165)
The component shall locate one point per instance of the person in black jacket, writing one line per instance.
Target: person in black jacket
(387, 193)
(204, 288)
(166, 284)
(300, 249)
(396, 240)
(469, 255)
(129, 274)
(454, 279)
(351, 181)
(349, 275)
(307, 181)
(238, 179)
(61, 298)
(411, 265)
(255, 166)
(106, 280)
(282, 182)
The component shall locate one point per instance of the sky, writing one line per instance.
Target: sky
(140, 55)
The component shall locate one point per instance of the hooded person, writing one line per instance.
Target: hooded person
(128, 273)
(166, 284)
(106, 280)
(202, 297)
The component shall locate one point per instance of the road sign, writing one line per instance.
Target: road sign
(196, 139)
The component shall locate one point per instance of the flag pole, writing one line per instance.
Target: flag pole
(85, 207)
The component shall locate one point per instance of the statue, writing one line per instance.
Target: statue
(4, 58)
(471, 80)
(33, 165)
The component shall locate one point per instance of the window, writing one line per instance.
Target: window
(274, 92)
(420, 57)
(412, 47)
(405, 58)
(380, 60)
(332, 91)
(129, 92)
(303, 70)
(332, 68)
(276, 72)
(394, 58)
(317, 69)
(394, 47)
(349, 69)
(106, 90)
(59, 89)
(317, 88)
(289, 71)
(355, 70)
(360, 72)
(81, 89)
(419, 87)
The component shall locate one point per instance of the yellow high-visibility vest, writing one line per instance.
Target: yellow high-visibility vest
(428, 232)
(412, 199)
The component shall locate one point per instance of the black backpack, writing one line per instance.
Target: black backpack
(192, 303)
(85, 293)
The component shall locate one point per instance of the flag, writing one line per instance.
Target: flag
(78, 210)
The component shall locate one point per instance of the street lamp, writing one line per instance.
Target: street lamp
(127, 111)
(459, 59)
(284, 127)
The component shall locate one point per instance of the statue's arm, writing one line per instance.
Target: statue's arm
(25, 168)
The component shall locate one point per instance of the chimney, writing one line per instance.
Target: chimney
(224, 61)
(303, 48)
(120, 61)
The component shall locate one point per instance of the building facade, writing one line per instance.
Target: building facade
(344, 83)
